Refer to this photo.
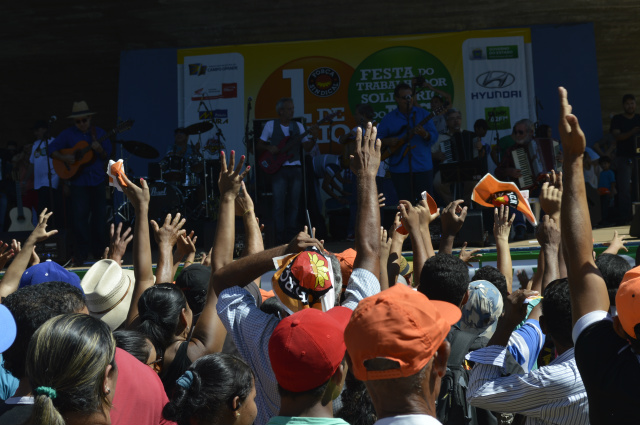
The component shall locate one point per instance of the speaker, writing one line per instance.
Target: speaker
(57, 248)
(472, 230)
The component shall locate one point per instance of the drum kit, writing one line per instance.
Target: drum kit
(184, 184)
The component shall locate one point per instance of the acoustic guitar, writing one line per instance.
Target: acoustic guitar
(83, 153)
(270, 163)
(387, 151)
(20, 216)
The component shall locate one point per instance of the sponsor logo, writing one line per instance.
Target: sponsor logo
(197, 69)
(502, 52)
(158, 192)
(227, 91)
(498, 117)
(495, 79)
(216, 114)
(323, 82)
(496, 94)
(476, 54)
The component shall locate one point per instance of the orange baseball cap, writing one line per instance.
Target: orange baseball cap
(346, 259)
(628, 302)
(398, 324)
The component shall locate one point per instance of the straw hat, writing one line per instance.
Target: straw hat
(108, 290)
(80, 109)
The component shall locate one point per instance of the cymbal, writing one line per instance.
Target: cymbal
(199, 127)
(140, 149)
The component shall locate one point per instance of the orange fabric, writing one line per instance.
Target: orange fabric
(266, 294)
(491, 192)
(346, 259)
(628, 301)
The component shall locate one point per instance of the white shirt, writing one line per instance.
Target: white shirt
(408, 420)
(40, 169)
(553, 394)
(267, 131)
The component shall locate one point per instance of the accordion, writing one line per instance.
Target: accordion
(535, 160)
(462, 161)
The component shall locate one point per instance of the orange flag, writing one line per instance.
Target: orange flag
(491, 192)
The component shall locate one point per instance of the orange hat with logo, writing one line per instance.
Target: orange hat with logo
(628, 302)
(397, 324)
(304, 280)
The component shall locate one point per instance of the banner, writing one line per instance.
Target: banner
(487, 74)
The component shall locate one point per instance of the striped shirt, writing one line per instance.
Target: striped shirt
(251, 329)
(553, 394)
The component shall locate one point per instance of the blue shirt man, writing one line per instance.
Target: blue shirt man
(88, 185)
(411, 166)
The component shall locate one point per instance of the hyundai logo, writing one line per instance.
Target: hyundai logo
(495, 79)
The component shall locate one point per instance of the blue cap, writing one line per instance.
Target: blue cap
(8, 324)
(49, 272)
(483, 309)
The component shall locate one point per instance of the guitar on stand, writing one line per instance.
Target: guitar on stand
(20, 216)
(83, 153)
(270, 163)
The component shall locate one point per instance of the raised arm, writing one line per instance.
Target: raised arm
(365, 164)
(588, 290)
(139, 197)
(395, 251)
(451, 224)
(166, 237)
(186, 245)
(411, 222)
(386, 275)
(118, 243)
(501, 229)
(548, 235)
(426, 218)
(11, 280)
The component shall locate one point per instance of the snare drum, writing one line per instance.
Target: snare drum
(165, 198)
(173, 168)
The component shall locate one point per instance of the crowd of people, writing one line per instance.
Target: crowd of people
(357, 337)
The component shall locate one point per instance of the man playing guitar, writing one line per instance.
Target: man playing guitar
(411, 166)
(286, 183)
(88, 185)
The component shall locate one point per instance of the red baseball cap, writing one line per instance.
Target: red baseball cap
(628, 302)
(398, 324)
(307, 347)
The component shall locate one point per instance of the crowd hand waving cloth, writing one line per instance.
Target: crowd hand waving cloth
(491, 192)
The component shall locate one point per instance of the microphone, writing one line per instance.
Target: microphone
(407, 97)
(53, 119)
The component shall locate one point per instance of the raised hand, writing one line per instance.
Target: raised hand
(548, 232)
(229, 181)
(118, 243)
(615, 244)
(5, 254)
(468, 256)
(551, 195)
(502, 223)
(186, 244)
(367, 155)
(40, 233)
(425, 214)
(170, 231)
(571, 135)
(302, 241)
(244, 203)
(138, 195)
(409, 216)
(451, 221)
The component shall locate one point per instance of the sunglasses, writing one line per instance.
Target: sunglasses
(82, 121)
(519, 132)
